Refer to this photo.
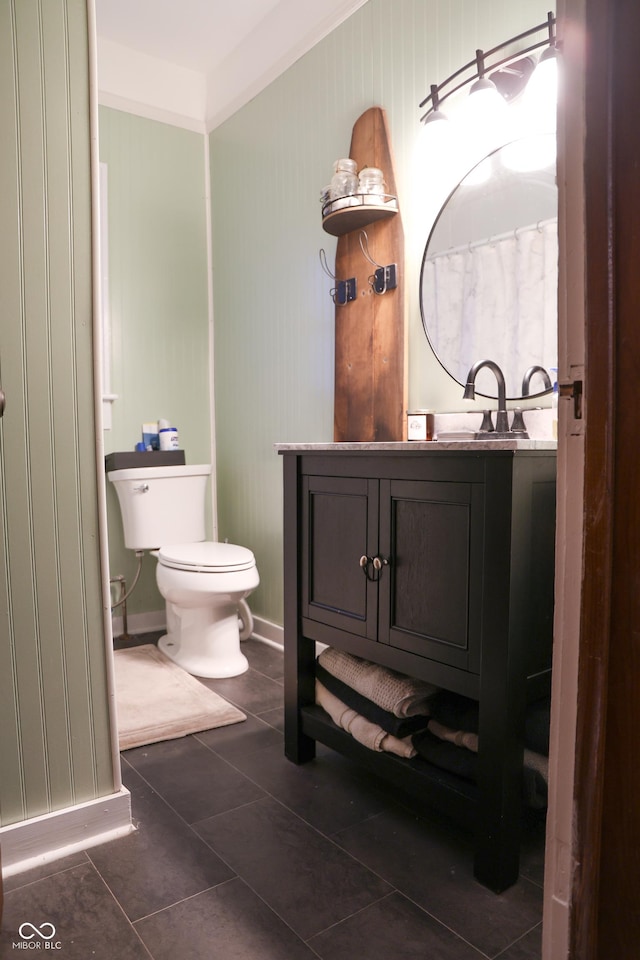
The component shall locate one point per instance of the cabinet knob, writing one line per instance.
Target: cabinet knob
(377, 563)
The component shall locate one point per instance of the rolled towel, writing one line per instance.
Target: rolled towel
(368, 734)
(403, 696)
(397, 726)
(430, 744)
(461, 738)
(461, 713)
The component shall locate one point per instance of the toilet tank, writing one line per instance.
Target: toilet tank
(161, 505)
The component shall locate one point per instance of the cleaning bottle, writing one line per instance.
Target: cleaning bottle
(168, 436)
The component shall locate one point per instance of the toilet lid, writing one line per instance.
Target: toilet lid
(206, 557)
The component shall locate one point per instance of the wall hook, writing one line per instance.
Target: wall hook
(384, 278)
(323, 263)
(364, 246)
(344, 290)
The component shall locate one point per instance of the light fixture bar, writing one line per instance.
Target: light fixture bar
(483, 63)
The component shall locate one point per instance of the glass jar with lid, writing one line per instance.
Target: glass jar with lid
(344, 182)
(371, 182)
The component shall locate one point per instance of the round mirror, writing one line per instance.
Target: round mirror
(489, 277)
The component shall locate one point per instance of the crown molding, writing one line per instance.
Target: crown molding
(146, 86)
(282, 37)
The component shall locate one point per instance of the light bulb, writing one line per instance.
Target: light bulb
(485, 98)
(436, 127)
(483, 117)
(435, 164)
(541, 94)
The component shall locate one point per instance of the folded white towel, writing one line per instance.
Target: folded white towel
(368, 734)
(403, 696)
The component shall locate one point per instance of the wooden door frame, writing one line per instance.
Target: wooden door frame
(604, 919)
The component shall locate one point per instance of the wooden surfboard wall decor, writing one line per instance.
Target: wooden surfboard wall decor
(370, 338)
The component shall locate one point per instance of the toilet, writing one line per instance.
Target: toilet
(204, 584)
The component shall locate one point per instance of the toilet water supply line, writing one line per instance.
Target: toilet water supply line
(120, 579)
(124, 593)
(246, 619)
(244, 613)
(123, 586)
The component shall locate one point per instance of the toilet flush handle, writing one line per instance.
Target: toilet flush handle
(142, 488)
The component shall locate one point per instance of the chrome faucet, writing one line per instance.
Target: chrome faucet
(502, 418)
(526, 380)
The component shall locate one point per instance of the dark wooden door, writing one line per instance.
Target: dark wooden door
(340, 526)
(431, 590)
(605, 919)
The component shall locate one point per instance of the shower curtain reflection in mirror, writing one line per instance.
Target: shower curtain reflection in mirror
(512, 278)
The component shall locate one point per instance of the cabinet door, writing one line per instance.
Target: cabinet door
(340, 522)
(431, 591)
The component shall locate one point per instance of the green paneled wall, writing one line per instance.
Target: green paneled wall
(55, 740)
(273, 315)
(158, 301)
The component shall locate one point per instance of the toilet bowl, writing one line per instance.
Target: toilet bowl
(203, 585)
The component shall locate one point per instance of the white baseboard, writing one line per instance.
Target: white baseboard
(40, 840)
(264, 630)
(268, 632)
(149, 622)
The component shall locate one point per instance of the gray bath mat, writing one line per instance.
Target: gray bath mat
(157, 700)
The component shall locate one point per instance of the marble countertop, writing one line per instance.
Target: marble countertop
(420, 445)
(538, 424)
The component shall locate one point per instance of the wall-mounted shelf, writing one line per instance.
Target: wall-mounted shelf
(370, 397)
(345, 214)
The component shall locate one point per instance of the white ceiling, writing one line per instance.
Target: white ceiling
(231, 43)
(197, 34)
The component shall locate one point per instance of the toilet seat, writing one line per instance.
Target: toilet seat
(206, 557)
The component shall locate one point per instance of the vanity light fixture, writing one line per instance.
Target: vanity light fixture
(437, 140)
(437, 129)
(549, 57)
(542, 90)
(512, 79)
(435, 114)
(489, 64)
(485, 111)
(483, 85)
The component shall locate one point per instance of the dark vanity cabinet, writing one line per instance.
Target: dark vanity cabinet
(392, 560)
(438, 563)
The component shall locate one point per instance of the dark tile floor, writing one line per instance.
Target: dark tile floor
(241, 855)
